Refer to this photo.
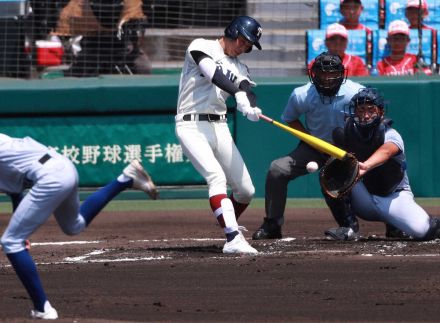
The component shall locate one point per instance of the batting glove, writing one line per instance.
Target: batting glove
(254, 114)
(243, 104)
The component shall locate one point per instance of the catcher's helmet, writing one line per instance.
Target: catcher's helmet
(367, 96)
(327, 74)
(246, 26)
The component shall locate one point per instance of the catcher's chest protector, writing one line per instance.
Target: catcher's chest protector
(381, 180)
(362, 149)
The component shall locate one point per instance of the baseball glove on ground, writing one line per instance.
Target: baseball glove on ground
(338, 177)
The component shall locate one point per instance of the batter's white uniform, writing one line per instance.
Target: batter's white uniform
(54, 189)
(398, 208)
(209, 145)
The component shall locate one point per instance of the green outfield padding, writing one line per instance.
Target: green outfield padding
(106, 94)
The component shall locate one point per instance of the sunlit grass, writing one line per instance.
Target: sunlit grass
(196, 204)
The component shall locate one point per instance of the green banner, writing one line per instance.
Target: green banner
(100, 146)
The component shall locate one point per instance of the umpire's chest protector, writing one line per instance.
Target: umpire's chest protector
(383, 179)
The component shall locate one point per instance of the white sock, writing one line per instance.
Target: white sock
(123, 178)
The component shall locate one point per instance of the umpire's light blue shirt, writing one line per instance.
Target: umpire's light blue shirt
(320, 118)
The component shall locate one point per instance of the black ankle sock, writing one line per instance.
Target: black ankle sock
(230, 236)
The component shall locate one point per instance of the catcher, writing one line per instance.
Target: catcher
(383, 192)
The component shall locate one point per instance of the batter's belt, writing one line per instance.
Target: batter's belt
(204, 117)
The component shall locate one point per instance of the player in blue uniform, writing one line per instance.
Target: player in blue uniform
(53, 182)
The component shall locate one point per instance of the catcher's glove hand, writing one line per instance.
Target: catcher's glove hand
(338, 177)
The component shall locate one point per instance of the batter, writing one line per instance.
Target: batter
(211, 73)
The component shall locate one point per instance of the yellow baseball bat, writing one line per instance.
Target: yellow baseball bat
(318, 144)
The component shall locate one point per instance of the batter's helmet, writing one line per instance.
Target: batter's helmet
(327, 74)
(246, 26)
(367, 96)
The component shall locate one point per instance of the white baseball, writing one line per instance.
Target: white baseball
(312, 167)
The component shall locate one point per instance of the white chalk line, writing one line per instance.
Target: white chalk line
(63, 243)
(88, 257)
(176, 239)
(401, 255)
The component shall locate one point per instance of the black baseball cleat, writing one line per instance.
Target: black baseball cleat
(395, 233)
(268, 230)
(342, 234)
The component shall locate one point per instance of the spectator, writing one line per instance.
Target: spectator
(108, 32)
(336, 40)
(412, 12)
(399, 62)
(351, 11)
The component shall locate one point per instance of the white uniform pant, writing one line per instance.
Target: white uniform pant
(210, 148)
(399, 209)
(54, 191)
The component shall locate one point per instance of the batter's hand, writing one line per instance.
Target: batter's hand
(243, 104)
(254, 114)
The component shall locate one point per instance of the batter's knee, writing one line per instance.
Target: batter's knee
(245, 194)
(11, 245)
(72, 229)
(216, 184)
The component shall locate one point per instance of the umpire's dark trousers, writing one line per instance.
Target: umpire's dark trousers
(286, 169)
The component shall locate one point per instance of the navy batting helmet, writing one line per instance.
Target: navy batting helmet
(246, 26)
(327, 74)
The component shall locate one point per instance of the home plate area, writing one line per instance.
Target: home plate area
(169, 267)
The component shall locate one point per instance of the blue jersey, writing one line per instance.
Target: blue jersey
(320, 118)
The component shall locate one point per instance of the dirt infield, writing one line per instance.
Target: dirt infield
(168, 267)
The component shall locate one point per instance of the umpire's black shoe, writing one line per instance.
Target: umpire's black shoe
(395, 233)
(268, 230)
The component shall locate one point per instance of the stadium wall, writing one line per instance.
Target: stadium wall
(102, 122)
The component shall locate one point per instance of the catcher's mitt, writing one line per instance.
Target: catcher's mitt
(338, 177)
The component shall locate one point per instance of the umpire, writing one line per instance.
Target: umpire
(322, 101)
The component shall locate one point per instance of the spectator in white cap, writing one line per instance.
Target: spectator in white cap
(399, 62)
(412, 12)
(351, 10)
(336, 40)
(414, 8)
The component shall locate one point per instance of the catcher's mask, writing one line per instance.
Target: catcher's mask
(327, 74)
(246, 26)
(367, 108)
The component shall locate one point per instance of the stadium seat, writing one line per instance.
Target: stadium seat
(315, 43)
(329, 13)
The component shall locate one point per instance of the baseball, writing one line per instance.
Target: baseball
(312, 167)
